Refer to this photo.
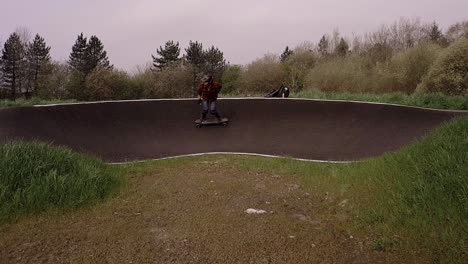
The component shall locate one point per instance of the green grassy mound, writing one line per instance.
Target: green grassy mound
(35, 177)
(423, 191)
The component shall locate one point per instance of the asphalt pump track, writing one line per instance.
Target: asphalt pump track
(324, 130)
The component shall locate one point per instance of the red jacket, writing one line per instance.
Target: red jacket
(209, 92)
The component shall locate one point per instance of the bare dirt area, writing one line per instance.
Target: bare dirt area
(195, 212)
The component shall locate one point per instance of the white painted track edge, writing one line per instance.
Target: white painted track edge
(233, 153)
(256, 98)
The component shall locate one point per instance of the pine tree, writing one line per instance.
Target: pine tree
(167, 55)
(38, 57)
(77, 59)
(214, 62)
(12, 61)
(342, 48)
(195, 56)
(95, 55)
(435, 34)
(87, 55)
(286, 53)
(323, 46)
(1, 77)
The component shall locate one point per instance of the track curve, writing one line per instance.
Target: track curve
(149, 129)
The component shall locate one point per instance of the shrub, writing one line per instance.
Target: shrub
(144, 79)
(100, 84)
(75, 87)
(171, 82)
(231, 80)
(379, 53)
(457, 31)
(410, 66)
(449, 73)
(54, 84)
(297, 66)
(351, 74)
(402, 73)
(106, 84)
(262, 76)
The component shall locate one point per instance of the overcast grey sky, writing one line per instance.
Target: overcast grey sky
(244, 30)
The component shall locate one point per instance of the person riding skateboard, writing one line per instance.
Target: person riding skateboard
(207, 96)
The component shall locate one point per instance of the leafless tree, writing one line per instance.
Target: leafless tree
(357, 44)
(25, 37)
(334, 40)
(457, 31)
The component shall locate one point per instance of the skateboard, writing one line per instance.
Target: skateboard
(210, 122)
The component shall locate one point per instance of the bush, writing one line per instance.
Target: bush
(100, 84)
(231, 80)
(351, 74)
(76, 86)
(171, 82)
(108, 84)
(457, 31)
(54, 84)
(262, 76)
(410, 66)
(449, 73)
(126, 88)
(357, 74)
(379, 53)
(297, 66)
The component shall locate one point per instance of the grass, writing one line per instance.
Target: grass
(429, 100)
(29, 102)
(416, 198)
(35, 177)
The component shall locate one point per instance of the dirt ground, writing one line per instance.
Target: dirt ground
(195, 213)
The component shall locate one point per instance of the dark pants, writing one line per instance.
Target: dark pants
(209, 106)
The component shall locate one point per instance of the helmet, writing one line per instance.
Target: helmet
(207, 78)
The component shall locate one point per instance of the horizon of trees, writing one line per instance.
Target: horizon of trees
(26, 68)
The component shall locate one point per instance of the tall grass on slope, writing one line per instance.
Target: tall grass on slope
(423, 192)
(35, 177)
(429, 100)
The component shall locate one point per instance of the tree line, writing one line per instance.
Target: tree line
(202, 61)
(401, 57)
(406, 56)
(26, 69)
